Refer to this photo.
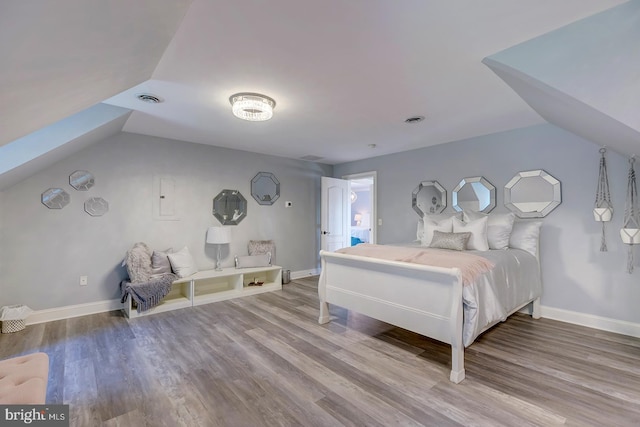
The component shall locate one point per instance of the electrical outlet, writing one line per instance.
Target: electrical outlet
(84, 280)
(379, 221)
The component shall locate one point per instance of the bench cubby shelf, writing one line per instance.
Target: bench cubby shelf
(209, 286)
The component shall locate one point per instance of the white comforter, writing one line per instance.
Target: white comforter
(513, 281)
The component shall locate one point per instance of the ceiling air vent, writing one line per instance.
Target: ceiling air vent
(415, 119)
(150, 98)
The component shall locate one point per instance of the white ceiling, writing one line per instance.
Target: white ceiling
(344, 74)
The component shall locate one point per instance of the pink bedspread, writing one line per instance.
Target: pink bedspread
(471, 266)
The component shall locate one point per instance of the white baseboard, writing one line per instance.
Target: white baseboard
(304, 273)
(592, 321)
(69, 311)
(574, 317)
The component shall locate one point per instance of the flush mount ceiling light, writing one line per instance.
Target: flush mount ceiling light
(252, 106)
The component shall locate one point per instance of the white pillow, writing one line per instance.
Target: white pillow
(182, 263)
(478, 229)
(525, 236)
(498, 228)
(443, 225)
(433, 218)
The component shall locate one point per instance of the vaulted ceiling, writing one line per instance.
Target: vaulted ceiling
(344, 74)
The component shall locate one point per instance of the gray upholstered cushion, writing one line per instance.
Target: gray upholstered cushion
(453, 241)
(263, 260)
(138, 262)
(160, 262)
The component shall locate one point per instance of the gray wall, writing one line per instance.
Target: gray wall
(577, 276)
(44, 252)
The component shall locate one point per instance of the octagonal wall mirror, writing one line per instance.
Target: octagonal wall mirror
(429, 197)
(55, 198)
(96, 206)
(265, 188)
(474, 194)
(532, 194)
(81, 180)
(230, 207)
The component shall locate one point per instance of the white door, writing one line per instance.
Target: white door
(335, 211)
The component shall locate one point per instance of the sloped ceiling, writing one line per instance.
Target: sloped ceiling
(584, 77)
(345, 74)
(60, 57)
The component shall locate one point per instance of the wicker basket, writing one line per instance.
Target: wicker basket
(9, 326)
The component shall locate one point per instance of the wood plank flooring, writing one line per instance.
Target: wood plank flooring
(264, 361)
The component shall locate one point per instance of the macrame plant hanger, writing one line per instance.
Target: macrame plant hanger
(630, 231)
(603, 209)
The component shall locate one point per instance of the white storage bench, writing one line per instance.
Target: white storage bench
(209, 286)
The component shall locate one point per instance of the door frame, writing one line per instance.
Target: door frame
(373, 238)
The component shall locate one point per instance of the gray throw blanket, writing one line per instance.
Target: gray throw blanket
(147, 294)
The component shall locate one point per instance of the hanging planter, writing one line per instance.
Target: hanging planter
(603, 209)
(630, 232)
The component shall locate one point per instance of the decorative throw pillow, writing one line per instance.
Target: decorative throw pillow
(433, 218)
(525, 235)
(444, 225)
(261, 247)
(263, 260)
(478, 229)
(453, 241)
(138, 261)
(182, 263)
(498, 228)
(160, 262)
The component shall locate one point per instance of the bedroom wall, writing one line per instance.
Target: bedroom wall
(46, 251)
(580, 282)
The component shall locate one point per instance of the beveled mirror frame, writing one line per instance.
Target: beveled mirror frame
(230, 207)
(471, 181)
(55, 198)
(537, 209)
(259, 184)
(437, 206)
(82, 180)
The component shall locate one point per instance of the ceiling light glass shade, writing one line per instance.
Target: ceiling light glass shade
(252, 106)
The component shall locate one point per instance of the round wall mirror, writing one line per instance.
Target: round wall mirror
(265, 188)
(532, 194)
(429, 197)
(230, 207)
(474, 194)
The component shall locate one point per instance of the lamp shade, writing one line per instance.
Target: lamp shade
(219, 235)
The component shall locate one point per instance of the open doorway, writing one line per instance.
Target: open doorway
(363, 207)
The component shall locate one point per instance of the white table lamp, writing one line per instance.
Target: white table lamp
(219, 236)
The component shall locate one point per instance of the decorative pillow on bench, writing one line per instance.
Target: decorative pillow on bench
(253, 261)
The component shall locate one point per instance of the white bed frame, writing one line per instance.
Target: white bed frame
(422, 299)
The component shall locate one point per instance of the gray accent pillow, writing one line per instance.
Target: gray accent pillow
(453, 241)
(160, 262)
(261, 247)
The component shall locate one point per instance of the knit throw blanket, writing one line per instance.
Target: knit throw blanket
(471, 266)
(147, 294)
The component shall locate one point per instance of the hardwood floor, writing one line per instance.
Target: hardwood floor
(264, 361)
